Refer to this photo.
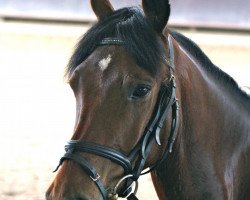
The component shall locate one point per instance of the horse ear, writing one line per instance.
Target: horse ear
(157, 11)
(101, 8)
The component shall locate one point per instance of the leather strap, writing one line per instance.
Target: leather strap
(111, 41)
(88, 168)
(132, 197)
(149, 139)
(103, 151)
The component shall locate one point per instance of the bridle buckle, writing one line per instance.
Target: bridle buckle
(95, 178)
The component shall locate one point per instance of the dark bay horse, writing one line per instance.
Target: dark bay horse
(148, 97)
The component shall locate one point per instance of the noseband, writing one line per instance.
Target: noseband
(139, 154)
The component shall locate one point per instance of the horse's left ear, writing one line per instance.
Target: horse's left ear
(157, 11)
(101, 8)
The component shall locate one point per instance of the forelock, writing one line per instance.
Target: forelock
(129, 25)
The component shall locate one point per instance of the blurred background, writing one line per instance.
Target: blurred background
(37, 107)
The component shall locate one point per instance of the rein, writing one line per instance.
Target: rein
(139, 154)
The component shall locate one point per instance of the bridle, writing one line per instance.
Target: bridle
(139, 154)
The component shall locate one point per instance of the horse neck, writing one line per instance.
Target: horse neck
(212, 110)
(213, 134)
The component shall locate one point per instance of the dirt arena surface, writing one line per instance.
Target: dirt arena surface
(37, 107)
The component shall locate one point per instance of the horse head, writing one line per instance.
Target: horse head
(124, 87)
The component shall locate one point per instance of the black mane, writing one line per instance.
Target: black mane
(202, 58)
(129, 25)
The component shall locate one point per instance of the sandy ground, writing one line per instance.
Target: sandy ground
(37, 107)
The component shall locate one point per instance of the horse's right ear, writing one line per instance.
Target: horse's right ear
(101, 8)
(157, 11)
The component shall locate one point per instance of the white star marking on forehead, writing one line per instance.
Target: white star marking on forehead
(104, 63)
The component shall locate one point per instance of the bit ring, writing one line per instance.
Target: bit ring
(123, 179)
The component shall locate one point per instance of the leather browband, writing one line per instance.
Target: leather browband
(111, 41)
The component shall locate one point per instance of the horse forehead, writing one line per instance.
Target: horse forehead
(104, 62)
(116, 55)
(108, 62)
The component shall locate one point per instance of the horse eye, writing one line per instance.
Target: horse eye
(140, 91)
